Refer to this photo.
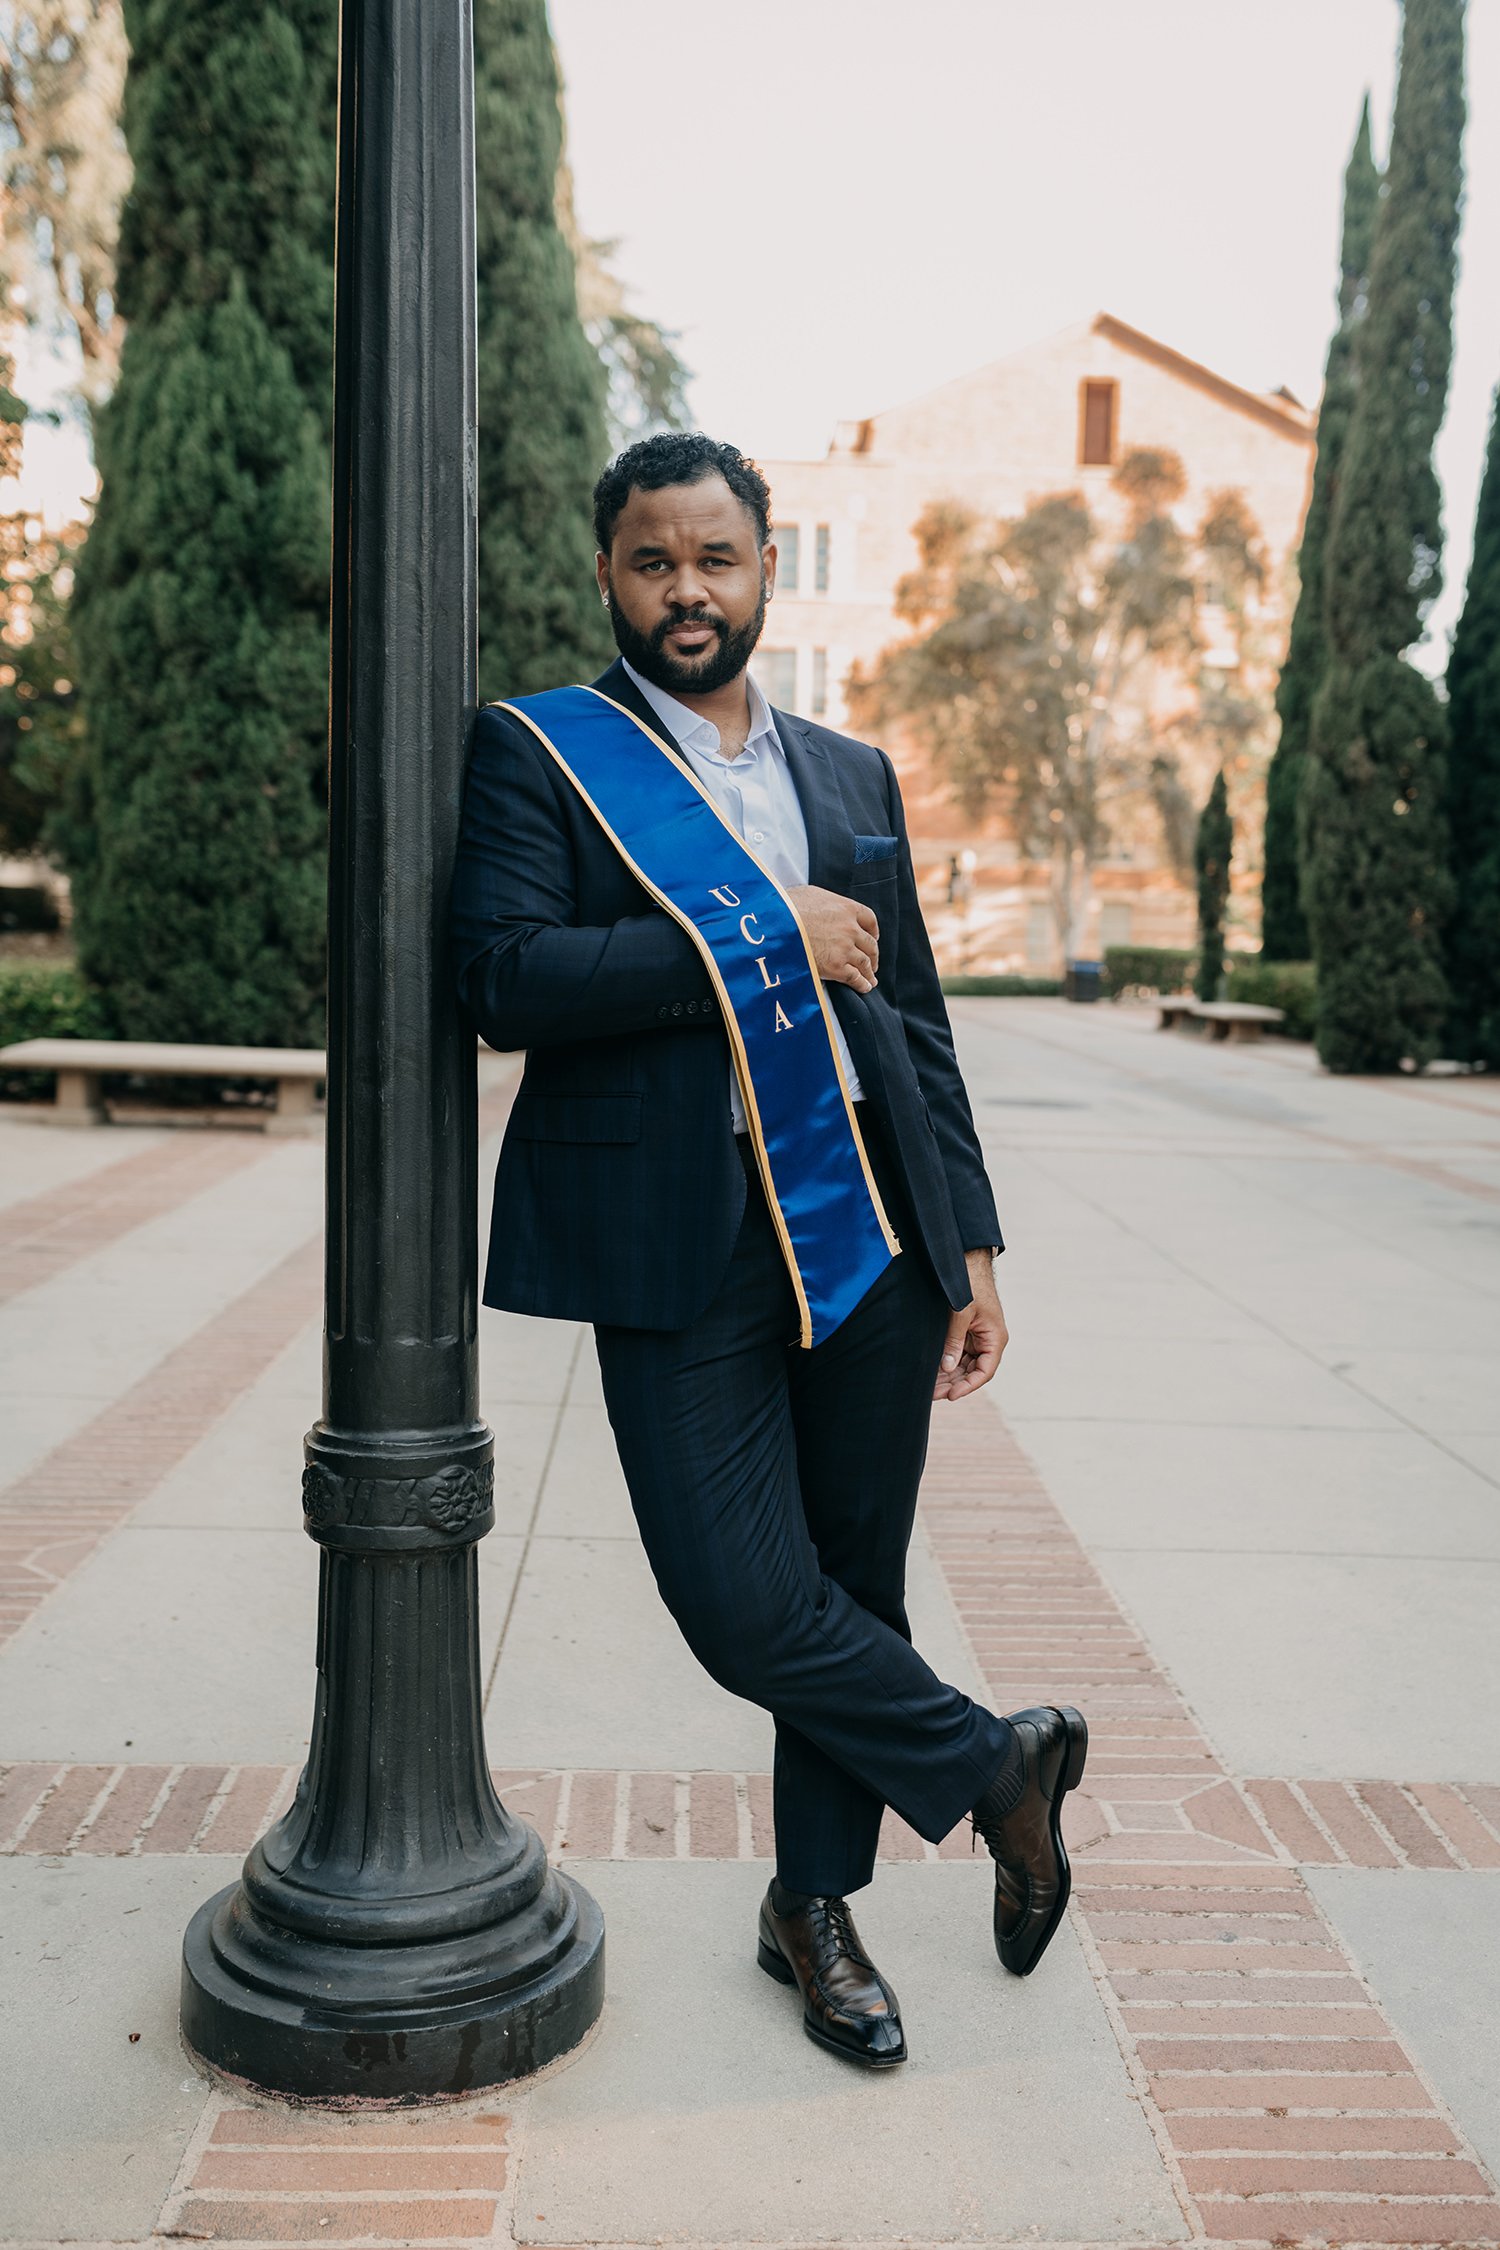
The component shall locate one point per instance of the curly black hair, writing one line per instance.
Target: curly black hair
(678, 457)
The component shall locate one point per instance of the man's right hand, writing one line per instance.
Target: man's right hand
(845, 936)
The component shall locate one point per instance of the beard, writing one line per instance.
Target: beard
(702, 675)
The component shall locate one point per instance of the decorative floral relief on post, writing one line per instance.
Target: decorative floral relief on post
(448, 1500)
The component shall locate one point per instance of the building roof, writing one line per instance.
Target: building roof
(1277, 410)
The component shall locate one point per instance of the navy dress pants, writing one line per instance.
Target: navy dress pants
(775, 1490)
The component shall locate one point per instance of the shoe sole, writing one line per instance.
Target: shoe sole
(775, 1965)
(1072, 1773)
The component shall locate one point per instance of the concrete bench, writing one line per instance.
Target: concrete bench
(1225, 1019)
(81, 1065)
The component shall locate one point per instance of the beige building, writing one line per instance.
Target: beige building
(1054, 417)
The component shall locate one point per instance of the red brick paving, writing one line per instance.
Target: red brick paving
(43, 1235)
(54, 1515)
(298, 2175)
(1252, 2054)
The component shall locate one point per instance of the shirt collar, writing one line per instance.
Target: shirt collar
(697, 733)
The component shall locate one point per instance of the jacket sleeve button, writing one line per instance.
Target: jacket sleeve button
(677, 1007)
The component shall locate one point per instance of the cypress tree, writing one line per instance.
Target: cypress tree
(541, 385)
(1284, 935)
(202, 600)
(1212, 850)
(1474, 786)
(1373, 827)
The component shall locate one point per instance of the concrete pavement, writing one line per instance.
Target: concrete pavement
(1242, 1499)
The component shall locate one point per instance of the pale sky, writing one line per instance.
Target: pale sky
(842, 203)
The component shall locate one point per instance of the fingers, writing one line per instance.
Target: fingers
(951, 1362)
(972, 1352)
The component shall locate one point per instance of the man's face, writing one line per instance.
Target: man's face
(687, 583)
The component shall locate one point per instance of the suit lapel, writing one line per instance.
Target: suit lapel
(830, 843)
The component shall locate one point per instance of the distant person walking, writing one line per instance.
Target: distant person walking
(743, 1151)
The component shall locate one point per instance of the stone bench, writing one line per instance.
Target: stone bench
(1238, 1020)
(81, 1066)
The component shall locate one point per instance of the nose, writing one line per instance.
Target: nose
(687, 588)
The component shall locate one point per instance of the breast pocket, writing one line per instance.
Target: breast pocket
(875, 860)
(589, 1118)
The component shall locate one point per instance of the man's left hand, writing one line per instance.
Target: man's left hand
(977, 1335)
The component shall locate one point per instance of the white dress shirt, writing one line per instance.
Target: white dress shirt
(756, 794)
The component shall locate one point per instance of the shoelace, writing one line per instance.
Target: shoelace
(833, 1930)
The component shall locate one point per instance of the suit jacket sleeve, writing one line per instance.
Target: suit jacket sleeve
(918, 995)
(530, 974)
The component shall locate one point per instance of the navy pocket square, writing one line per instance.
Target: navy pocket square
(867, 848)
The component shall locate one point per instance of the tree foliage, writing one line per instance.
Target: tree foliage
(1212, 851)
(541, 385)
(1474, 786)
(1284, 932)
(64, 169)
(201, 610)
(1374, 833)
(1037, 648)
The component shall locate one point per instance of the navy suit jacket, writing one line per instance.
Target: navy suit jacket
(619, 1192)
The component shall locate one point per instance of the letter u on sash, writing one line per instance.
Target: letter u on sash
(832, 1226)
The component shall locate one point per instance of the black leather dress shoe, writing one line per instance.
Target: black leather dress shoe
(846, 2003)
(1032, 1877)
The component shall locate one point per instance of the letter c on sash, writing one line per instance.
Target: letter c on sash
(745, 933)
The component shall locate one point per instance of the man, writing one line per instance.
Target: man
(669, 1176)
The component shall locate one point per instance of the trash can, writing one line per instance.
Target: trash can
(1083, 980)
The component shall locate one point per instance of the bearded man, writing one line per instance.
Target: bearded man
(743, 1152)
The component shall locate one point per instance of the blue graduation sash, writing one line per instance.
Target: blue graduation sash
(834, 1233)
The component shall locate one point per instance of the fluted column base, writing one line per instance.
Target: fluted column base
(397, 1936)
(327, 2023)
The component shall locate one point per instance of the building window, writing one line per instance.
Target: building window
(820, 563)
(1114, 922)
(776, 676)
(820, 682)
(1097, 404)
(788, 541)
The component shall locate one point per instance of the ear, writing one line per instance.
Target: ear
(601, 574)
(768, 567)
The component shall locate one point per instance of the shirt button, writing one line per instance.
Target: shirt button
(758, 836)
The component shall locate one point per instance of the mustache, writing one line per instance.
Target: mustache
(687, 617)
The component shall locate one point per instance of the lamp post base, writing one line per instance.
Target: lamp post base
(318, 2022)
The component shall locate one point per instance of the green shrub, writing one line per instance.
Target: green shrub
(1003, 987)
(1291, 986)
(40, 1000)
(1147, 968)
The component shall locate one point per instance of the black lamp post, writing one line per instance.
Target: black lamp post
(398, 1935)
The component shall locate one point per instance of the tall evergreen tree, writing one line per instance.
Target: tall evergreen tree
(1211, 856)
(1374, 830)
(201, 610)
(541, 385)
(1474, 786)
(1284, 935)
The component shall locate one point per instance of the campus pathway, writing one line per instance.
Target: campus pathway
(1235, 1493)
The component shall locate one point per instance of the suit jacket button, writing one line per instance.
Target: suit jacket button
(692, 1007)
(662, 1014)
(677, 1007)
